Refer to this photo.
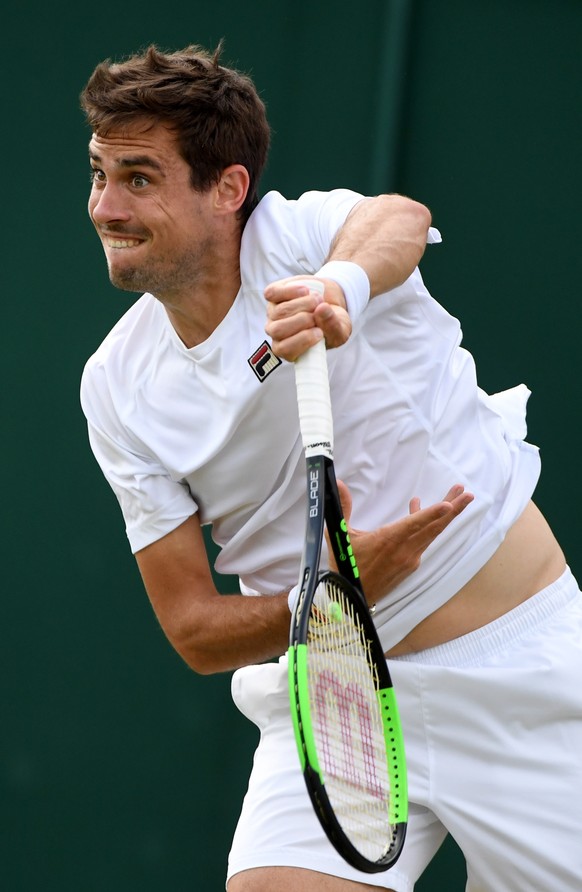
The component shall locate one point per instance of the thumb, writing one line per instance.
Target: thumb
(345, 499)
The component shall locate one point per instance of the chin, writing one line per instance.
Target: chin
(126, 280)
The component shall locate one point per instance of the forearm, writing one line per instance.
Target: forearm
(386, 236)
(232, 631)
(383, 236)
(210, 631)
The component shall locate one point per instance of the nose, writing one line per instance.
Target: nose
(107, 204)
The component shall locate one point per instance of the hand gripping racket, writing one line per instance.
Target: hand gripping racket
(342, 702)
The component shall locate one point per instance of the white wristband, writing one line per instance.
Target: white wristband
(292, 597)
(352, 280)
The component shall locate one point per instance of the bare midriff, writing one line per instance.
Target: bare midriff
(528, 559)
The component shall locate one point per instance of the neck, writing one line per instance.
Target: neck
(197, 314)
(205, 291)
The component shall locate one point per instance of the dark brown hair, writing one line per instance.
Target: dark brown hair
(215, 112)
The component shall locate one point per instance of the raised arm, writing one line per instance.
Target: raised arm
(386, 237)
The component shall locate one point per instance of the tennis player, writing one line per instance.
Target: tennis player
(192, 416)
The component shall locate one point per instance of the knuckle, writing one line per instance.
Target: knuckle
(409, 561)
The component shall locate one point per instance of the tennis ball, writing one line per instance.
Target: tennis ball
(335, 612)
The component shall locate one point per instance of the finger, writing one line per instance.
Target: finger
(281, 329)
(460, 502)
(414, 505)
(287, 319)
(345, 499)
(306, 303)
(288, 289)
(334, 322)
(292, 337)
(293, 347)
(451, 497)
(453, 492)
(425, 524)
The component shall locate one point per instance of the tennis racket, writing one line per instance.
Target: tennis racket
(343, 707)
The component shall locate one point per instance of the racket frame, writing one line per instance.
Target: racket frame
(324, 509)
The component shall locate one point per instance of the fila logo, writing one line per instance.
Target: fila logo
(263, 361)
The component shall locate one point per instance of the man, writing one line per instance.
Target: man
(192, 417)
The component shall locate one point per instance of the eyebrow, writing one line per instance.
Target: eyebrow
(132, 161)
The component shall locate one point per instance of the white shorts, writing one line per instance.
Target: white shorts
(493, 731)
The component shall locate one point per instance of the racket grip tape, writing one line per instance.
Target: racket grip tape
(313, 396)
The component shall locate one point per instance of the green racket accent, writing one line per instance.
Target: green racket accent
(396, 761)
(344, 548)
(299, 694)
(293, 695)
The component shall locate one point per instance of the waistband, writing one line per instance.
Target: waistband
(502, 632)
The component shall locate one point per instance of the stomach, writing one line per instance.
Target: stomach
(528, 560)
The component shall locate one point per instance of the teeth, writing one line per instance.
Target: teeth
(122, 243)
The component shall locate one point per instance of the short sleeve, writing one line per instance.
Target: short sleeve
(151, 502)
(291, 237)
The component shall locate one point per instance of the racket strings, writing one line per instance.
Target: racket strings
(347, 723)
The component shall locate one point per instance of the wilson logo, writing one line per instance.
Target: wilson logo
(348, 741)
(263, 361)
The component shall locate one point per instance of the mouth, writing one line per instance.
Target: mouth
(122, 242)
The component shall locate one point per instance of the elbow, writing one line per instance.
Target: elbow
(415, 221)
(202, 661)
(417, 216)
(203, 657)
(206, 667)
(414, 217)
(421, 213)
(423, 218)
(422, 221)
(417, 213)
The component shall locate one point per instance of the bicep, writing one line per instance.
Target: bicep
(177, 577)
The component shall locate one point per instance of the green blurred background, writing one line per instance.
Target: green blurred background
(108, 743)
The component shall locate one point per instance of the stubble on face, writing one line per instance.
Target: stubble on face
(156, 230)
(162, 276)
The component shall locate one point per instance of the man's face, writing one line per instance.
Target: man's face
(156, 230)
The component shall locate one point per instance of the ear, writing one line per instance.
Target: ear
(232, 189)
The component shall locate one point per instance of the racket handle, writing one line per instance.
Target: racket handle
(313, 398)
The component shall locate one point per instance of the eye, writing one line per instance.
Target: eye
(96, 176)
(138, 181)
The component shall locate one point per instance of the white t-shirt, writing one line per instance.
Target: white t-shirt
(214, 428)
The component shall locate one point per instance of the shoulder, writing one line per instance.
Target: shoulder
(121, 358)
(286, 237)
(276, 210)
